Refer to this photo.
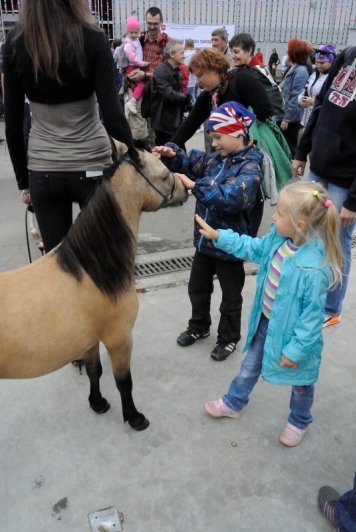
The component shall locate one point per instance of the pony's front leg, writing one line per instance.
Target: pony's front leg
(94, 371)
(120, 360)
(136, 420)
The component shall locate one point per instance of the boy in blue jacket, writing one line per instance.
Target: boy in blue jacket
(226, 185)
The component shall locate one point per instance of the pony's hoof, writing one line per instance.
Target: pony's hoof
(139, 423)
(100, 408)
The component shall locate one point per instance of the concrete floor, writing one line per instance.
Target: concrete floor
(60, 461)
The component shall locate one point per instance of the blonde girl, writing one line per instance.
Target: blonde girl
(299, 260)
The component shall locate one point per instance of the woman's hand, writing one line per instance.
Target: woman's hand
(187, 182)
(307, 101)
(347, 217)
(206, 230)
(284, 125)
(25, 196)
(166, 151)
(286, 363)
(298, 168)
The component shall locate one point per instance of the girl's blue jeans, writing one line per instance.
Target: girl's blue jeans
(338, 195)
(242, 385)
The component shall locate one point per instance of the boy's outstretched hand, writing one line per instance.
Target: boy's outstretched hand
(206, 230)
(287, 363)
(166, 151)
(187, 182)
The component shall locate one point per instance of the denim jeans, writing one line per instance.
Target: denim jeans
(192, 92)
(338, 195)
(345, 511)
(242, 385)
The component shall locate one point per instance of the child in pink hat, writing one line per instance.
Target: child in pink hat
(134, 54)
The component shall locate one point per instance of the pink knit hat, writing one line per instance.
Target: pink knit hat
(132, 24)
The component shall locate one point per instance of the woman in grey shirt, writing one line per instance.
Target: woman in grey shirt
(62, 62)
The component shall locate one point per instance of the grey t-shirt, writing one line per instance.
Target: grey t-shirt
(68, 137)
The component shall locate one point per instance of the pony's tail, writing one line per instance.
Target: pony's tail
(101, 243)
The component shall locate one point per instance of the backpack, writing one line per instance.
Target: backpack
(272, 89)
(120, 57)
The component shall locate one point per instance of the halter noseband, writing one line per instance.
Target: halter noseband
(126, 158)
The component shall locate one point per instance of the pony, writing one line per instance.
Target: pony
(87, 284)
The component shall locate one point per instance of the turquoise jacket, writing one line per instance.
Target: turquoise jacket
(295, 325)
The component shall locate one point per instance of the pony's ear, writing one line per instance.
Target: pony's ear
(142, 144)
(121, 148)
(134, 155)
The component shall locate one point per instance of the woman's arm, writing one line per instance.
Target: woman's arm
(300, 77)
(14, 101)
(200, 112)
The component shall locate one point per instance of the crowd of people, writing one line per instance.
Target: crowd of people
(259, 134)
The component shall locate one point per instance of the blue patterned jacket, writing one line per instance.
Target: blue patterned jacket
(225, 189)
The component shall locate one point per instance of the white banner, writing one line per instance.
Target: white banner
(201, 35)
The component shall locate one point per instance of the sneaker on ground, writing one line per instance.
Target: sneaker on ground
(188, 337)
(132, 106)
(332, 320)
(223, 350)
(218, 408)
(291, 435)
(327, 500)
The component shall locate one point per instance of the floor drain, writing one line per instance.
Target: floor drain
(160, 267)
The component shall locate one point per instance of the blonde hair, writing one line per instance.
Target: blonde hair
(310, 201)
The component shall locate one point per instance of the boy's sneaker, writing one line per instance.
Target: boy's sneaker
(188, 337)
(223, 350)
(291, 435)
(327, 500)
(331, 320)
(218, 408)
(132, 106)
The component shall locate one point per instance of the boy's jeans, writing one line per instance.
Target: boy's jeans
(242, 385)
(338, 195)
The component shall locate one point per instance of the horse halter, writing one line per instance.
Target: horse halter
(167, 199)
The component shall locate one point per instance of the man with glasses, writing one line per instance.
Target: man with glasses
(153, 42)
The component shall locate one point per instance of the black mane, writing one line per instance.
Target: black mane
(100, 241)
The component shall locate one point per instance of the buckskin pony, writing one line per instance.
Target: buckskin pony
(87, 292)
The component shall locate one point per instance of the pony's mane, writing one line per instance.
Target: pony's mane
(100, 241)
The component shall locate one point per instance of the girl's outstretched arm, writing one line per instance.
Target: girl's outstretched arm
(206, 230)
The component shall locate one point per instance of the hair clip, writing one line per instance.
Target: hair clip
(327, 203)
(315, 193)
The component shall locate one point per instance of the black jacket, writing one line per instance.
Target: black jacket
(330, 134)
(243, 86)
(167, 98)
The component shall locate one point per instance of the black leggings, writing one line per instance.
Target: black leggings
(52, 196)
(291, 135)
